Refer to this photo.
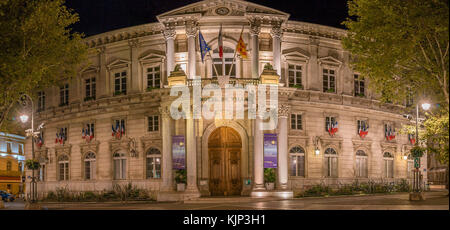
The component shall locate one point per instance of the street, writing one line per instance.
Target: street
(437, 200)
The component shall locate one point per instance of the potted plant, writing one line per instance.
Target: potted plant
(417, 151)
(269, 178)
(298, 86)
(32, 164)
(180, 179)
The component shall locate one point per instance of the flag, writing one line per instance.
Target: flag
(122, 129)
(57, 138)
(91, 133)
(220, 42)
(113, 130)
(204, 48)
(83, 134)
(117, 129)
(241, 48)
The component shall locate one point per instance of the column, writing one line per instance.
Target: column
(282, 179)
(169, 35)
(276, 33)
(191, 156)
(191, 32)
(103, 78)
(167, 184)
(135, 79)
(258, 154)
(313, 79)
(255, 29)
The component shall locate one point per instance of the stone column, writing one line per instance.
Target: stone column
(169, 35)
(135, 78)
(167, 183)
(276, 33)
(191, 32)
(255, 29)
(103, 78)
(258, 155)
(191, 156)
(282, 179)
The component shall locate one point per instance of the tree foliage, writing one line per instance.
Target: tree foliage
(38, 49)
(437, 135)
(401, 47)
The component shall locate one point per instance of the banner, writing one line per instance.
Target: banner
(178, 152)
(270, 150)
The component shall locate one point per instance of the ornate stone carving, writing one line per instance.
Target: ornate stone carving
(63, 150)
(255, 27)
(133, 148)
(133, 43)
(284, 110)
(276, 31)
(191, 29)
(169, 33)
(164, 111)
(89, 147)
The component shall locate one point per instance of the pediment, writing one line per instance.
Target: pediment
(152, 55)
(221, 8)
(90, 69)
(330, 60)
(296, 53)
(118, 63)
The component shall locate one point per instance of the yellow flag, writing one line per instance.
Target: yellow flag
(241, 48)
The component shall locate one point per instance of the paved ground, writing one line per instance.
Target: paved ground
(437, 200)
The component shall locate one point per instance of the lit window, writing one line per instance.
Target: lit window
(154, 77)
(388, 165)
(295, 75)
(361, 164)
(297, 161)
(120, 166)
(329, 81)
(153, 164)
(228, 61)
(153, 123)
(331, 163)
(89, 166)
(296, 121)
(63, 164)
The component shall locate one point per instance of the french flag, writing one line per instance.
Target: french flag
(91, 136)
(220, 42)
(113, 130)
(83, 134)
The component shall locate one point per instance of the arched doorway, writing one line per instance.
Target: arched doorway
(224, 149)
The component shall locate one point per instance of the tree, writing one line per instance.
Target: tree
(38, 49)
(401, 47)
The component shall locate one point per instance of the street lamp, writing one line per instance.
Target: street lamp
(24, 119)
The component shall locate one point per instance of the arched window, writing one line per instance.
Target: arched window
(42, 170)
(388, 165)
(120, 166)
(153, 170)
(228, 60)
(331, 163)
(297, 161)
(89, 166)
(8, 166)
(410, 167)
(361, 164)
(63, 165)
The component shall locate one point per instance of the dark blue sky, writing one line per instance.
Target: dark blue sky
(98, 16)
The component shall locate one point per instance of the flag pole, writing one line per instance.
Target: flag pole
(223, 57)
(212, 60)
(235, 53)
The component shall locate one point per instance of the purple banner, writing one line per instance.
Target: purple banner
(270, 150)
(178, 152)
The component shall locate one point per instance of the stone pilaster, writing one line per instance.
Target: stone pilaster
(277, 34)
(283, 113)
(169, 35)
(191, 32)
(255, 29)
(258, 155)
(135, 79)
(167, 132)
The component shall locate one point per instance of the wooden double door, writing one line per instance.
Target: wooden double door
(224, 147)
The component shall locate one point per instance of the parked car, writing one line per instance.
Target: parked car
(7, 196)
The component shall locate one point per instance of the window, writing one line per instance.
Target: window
(331, 163)
(61, 135)
(41, 172)
(296, 121)
(89, 131)
(297, 161)
(153, 123)
(362, 127)
(359, 86)
(410, 167)
(295, 75)
(154, 77)
(64, 95)
(89, 166)
(120, 166)
(90, 89)
(153, 164)
(388, 165)
(41, 101)
(389, 132)
(120, 83)
(228, 60)
(63, 165)
(118, 128)
(329, 123)
(361, 164)
(329, 81)
(8, 166)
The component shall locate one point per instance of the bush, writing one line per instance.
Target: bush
(269, 175)
(317, 190)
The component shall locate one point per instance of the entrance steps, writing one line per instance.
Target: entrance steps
(228, 199)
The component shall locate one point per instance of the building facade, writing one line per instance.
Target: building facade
(119, 104)
(12, 160)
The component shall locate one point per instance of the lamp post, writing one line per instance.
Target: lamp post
(24, 118)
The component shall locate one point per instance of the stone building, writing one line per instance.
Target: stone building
(12, 160)
(127, 86)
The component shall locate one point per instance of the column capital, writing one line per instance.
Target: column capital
(284, 110)
(255, 27)
(191, 28)
(133, 43)
(169, 33)
(164, 111)
(276, 31)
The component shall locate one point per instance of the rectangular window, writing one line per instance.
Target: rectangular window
(153, 123)
(296, 121)
(120, 83)
(362, 125)
(295, 76)
(218, 64)
(329, 81)
(359, 86)
(388, 168)
(64, 171)
(298, 165)
(361, 166)
(120, 169)
(330, 166)
(42, 172)
(87, 170)
(64, 95)
(89, 130)
(154, 77)
(41, 101)
(90, 89)
(328, 122)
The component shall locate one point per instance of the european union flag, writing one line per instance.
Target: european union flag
(203, 46)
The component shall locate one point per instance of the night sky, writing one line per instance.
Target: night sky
(98, 16)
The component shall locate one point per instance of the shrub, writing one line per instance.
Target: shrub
(269, 175)
(318, 190)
